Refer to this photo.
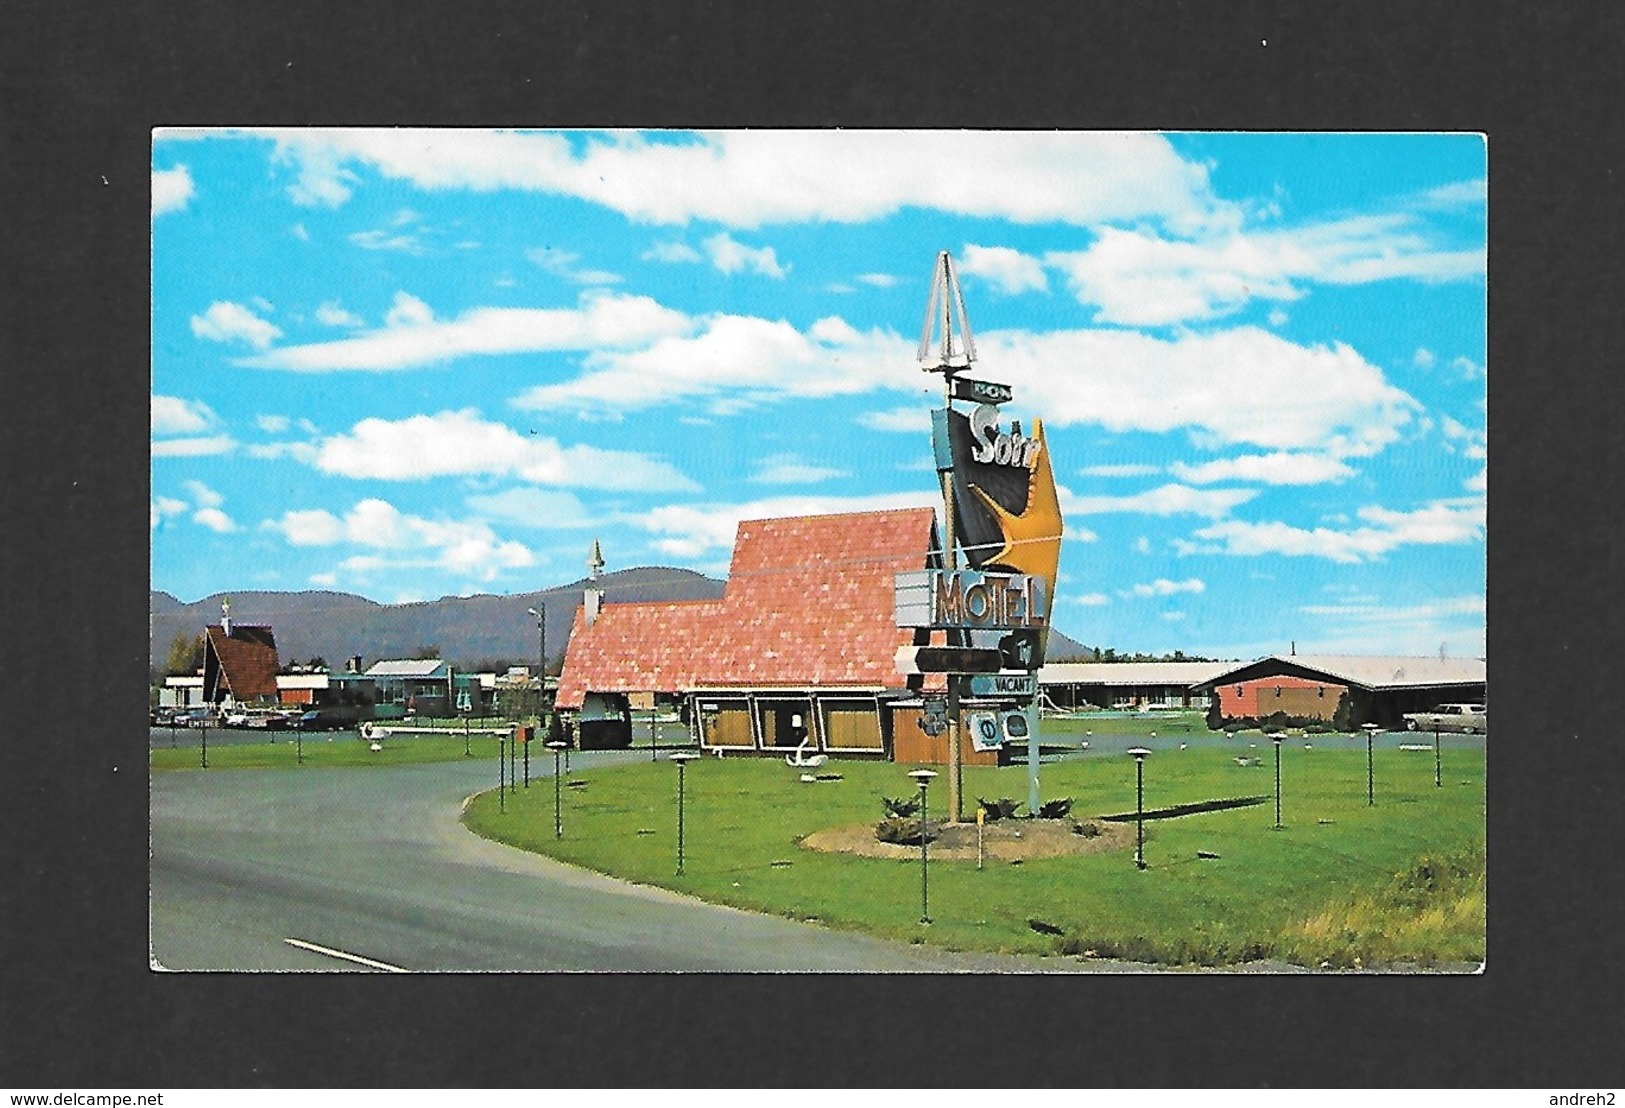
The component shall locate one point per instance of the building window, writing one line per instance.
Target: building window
(1277, 692)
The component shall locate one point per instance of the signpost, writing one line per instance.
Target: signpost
(913, 660)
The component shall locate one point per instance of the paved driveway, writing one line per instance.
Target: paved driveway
(370, 869)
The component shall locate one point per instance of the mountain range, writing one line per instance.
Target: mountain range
(471, 632)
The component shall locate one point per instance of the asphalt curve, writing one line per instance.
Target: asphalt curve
(374, 864)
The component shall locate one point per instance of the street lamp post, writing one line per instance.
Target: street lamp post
(557, 747)
(299, 745)
(527, 759)
(682, 758)
(502, 770)
(1139, 754)
(1371, 730)
(923, 776)
(205, 742)
(1438, 769)
(1277, 737)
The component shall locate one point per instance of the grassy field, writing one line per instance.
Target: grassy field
(1340, 882)
(320, 749)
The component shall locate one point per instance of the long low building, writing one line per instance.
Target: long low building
(1075, 686)
(1381, 688)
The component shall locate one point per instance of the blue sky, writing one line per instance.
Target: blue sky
(410, 364)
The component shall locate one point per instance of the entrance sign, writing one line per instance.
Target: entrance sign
(956, 599)
(1016, 686)
(912, 660)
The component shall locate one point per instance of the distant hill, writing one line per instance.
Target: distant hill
(469, 630)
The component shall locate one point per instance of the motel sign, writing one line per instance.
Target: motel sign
(961, 599)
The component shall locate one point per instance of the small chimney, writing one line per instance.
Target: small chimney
(225, 616)
(1293, 648)
(352, 664)
(593, 601)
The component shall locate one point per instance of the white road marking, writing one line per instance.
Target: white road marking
(331, 953)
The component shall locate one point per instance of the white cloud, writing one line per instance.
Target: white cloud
(1362, 625)
(1142, 545)
(1278, 317)
(328, 579)
(788, 469)
(171, 189)
(273, 424)
(332, 313)
(529, 507)
(1460, 193)
(412, 337)
(394, 241)
(739, 360)
(1268, 469)
(745, 179)
(1478, 482)
(691, 530)
(1438, 524)
(299, 232)
(299, 451)
(1423, 358)
(1165, 500)
(1073, 533)
(912, 420)
(563, 264)
(226, 321)
(731, 256)
(173, 415)
(193, 448)
(461, 443)
(1469, 369)
(407, 311)
(878, 280)
(165, 507)
(1092, 599)
(1142, 278)
(672, 252)
(1173, 617)
(1128, 469)
(214, 519)
(203, 496)
(1008, 270)
(1162, 586)
(1324, 399)
(457, 546)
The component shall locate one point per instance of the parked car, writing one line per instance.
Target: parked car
(270, 720)
(203, 717)
(323, 721)
(163, 717)
(237, 717)
(1449, 717)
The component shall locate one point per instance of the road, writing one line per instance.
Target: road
(371, 870)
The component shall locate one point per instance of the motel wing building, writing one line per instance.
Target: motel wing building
(801, 646)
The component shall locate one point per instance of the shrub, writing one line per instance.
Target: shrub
(1341, 720)
(900, 808)
(1055, 809)
(1088, 829)
(1215, 713)
(1003, 808)
(903, 832)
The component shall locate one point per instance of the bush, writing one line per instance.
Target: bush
(1055, 809)
(903, 832)
(1003, 808)
(900, 808)
(1341, 720)
(1088, 829)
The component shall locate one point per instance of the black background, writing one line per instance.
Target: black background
(81, 85)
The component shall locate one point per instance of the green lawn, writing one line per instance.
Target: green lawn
(333, 748)
(1401, 881)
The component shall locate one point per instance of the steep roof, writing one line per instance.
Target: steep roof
(243, 663)
(808, 603)
(1365, 671)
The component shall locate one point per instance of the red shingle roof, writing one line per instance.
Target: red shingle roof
(808, 604)
(244, 664)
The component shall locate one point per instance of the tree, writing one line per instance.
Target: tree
(185, 655)
(430, 650)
